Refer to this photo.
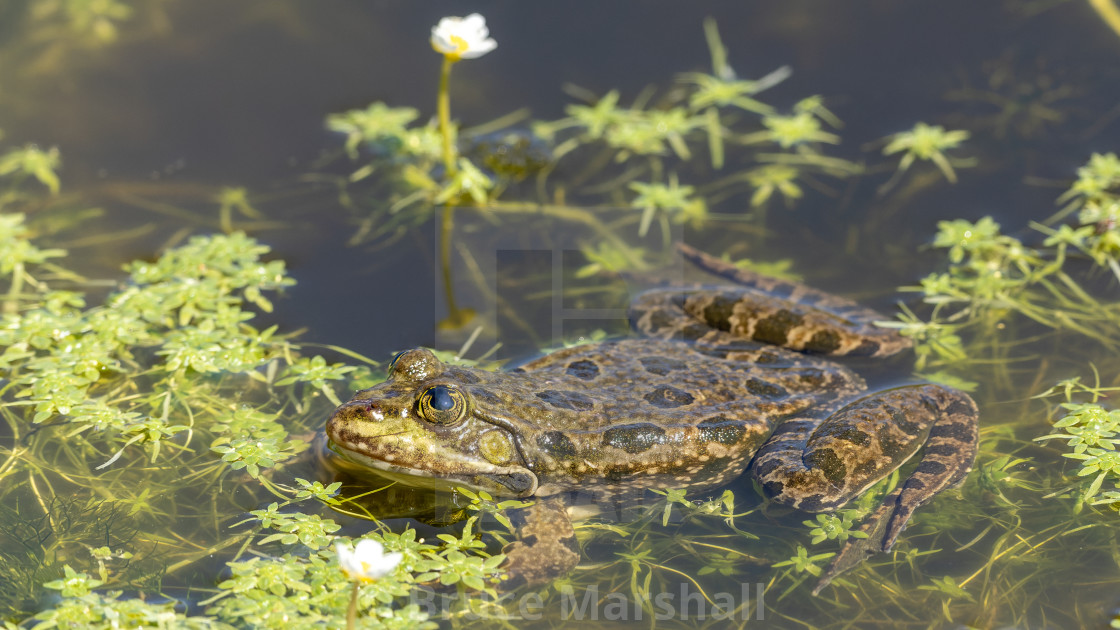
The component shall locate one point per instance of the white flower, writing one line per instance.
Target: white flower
(366, 562)
(462, 38)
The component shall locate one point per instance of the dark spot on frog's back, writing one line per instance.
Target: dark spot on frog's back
(662, 365)
(668, 397)
(634, 438)
(557, 445)
(583, 370)
(829, 464)
(823, 341)
(763, 388)
(813, 377)
(866, 348)
(720, 429)
(718, 313)
(774, 329)
(567, 400)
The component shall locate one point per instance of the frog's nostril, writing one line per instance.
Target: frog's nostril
(372, 410)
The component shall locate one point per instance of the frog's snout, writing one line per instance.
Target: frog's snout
(353, 414)
(365, 410)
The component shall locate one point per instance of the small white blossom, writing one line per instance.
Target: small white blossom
(366, 562)
(462, 38)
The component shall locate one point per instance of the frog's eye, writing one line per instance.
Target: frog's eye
(416, 365)
(393, 363)
(441, 404)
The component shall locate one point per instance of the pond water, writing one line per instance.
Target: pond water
(162, 110)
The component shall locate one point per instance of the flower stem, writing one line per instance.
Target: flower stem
(443, 107)
(1108, 12)
(352, 612)
(455, 317)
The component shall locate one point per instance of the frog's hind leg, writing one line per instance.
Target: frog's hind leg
(819, 464)
(762, 309)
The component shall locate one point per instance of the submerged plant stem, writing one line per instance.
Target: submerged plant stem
(455, 316)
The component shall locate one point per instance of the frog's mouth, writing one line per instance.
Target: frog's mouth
(499, 480)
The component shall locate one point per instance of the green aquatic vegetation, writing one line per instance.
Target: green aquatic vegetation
(484, 504)
(95, 19)
(82, 607)
(675, 201)
(802, 562)
(1097, 183)
(992, 275)
(310, 530)
(1091, 433)
(599, 155)
(377, 126)
(948, 586)
(1016, 96)
(31, 161)
(927, 143)
(771, 178)
(109, 401)
(799, 129)
(834, 527)
(272, 592)
(1095, 197)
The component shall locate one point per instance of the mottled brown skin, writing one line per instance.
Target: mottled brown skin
(705, 396)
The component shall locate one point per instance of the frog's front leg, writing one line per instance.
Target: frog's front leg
(545, 548)
(819, 464)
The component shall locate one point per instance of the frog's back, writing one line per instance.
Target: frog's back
(651, 413)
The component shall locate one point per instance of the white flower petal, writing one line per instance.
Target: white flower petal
(479, 49)
(367, 548)
(367, 560)
(462, 38)
(383, 565)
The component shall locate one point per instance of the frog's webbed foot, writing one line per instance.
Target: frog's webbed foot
(546, 546)
(819, 464)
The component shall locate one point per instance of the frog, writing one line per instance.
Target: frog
(738, 378)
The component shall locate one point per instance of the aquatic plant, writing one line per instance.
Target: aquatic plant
(165, 373)
(644, 147)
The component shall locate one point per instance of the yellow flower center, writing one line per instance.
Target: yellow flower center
(461, 47)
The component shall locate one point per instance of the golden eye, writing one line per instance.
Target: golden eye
(441, 404)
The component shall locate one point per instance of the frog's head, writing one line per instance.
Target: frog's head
(422, 422)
